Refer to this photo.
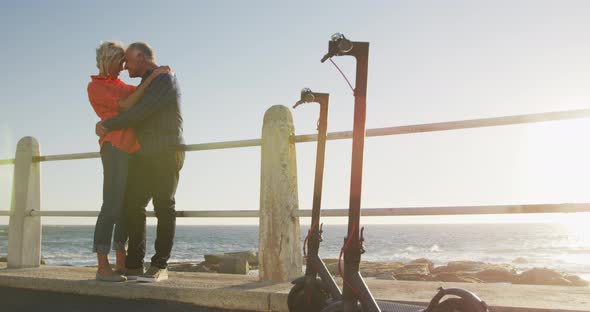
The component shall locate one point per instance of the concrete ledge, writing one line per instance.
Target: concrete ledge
(248, 293)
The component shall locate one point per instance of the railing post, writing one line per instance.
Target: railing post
(279, 245)
(24, 231)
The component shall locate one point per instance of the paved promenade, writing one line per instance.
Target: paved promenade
(19, 300)
(238, 292)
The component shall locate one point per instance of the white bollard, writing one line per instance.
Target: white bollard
(24, 231)
(280, 258)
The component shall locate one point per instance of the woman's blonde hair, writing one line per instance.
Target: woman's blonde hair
(108, 52)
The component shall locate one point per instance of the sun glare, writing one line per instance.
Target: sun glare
(556, 161)
(578, 227)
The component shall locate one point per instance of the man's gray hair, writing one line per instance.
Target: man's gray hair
(144, 49)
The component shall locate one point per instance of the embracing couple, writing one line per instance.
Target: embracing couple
(142, 152)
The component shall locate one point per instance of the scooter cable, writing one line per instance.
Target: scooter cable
(343, 75)
(307, 262)
(306, 238)
(355, 290)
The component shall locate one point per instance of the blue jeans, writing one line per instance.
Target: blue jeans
(115, 164)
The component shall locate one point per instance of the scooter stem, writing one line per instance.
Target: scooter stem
(352, 254)
(314, 237)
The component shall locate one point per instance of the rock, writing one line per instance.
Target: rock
(213, 262)
(413, 272)
(209, 266)
(576, 280)
(188, 267)
(459, 271)
(460, 266)
(520, 260)
(367, 268)
(424, 261)
(250, 255)
(454, 277)
(200, 268)
(416, 268)
(496, 275)
(542, 276)
(213, 259)
(499, 266)
(371, 269)
(234, 265)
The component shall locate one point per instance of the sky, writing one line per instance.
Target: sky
(430, 61)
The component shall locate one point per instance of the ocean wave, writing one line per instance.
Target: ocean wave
(402, 257)
(410, 248)
(435, 248)
(541, 246)
(504, 251)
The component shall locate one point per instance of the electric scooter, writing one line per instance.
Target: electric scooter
(356, 295)
(311, 292)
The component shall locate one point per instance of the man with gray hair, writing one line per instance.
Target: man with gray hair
(154, 170)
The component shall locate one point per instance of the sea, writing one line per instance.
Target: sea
(554, 246)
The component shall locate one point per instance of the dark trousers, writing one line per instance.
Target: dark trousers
(152, 177)
(115, 165)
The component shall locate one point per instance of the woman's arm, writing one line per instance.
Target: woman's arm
(133, 98)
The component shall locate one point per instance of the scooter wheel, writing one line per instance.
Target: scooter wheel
(453, 305)
(315, 302)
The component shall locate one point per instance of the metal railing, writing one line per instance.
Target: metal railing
(367, 212)
(30, 158)
(400, 211)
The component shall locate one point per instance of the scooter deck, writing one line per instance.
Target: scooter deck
(384, 306)
(388, 306)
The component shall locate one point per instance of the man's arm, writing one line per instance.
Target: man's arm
(154, 98)
(137, 93)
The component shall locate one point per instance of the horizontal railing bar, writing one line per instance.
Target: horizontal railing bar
(7, 161)
(180, 214)
(367, 212)
(192, 147)
(223, 145)
(465, 210)
(419, 128)
(454, 125)
(67, 156)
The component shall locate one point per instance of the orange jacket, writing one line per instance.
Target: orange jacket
(104, 95)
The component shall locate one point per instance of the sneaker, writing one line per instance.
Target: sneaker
(110, 278)
(153, 274)
(131, 274)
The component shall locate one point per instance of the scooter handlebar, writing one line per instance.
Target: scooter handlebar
(338, 45)
(306, 96)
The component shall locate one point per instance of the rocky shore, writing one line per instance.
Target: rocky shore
(417, 270)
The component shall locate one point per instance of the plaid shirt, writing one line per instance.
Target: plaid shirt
(156, 118)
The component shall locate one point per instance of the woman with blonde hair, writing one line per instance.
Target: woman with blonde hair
(109, 96)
